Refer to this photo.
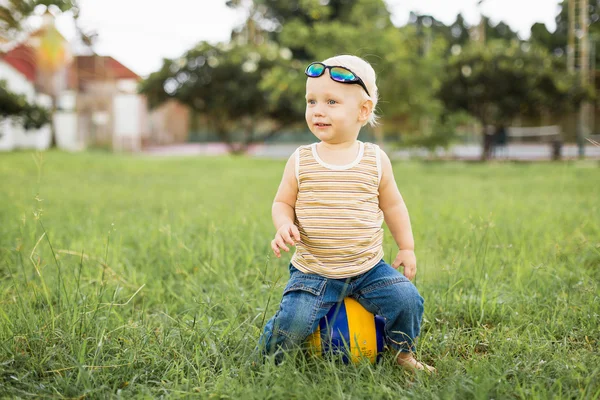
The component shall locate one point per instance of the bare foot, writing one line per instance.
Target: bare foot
(410, 363)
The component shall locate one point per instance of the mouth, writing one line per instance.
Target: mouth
(321, 125)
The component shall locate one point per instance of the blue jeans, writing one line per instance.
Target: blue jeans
(307, 298)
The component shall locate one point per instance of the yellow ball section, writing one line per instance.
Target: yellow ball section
(350, 329)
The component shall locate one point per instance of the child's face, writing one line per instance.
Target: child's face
(333, 109)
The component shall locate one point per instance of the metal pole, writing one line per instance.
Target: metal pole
(592, 110)
(584, 70)
(585, 44)
(571, 42)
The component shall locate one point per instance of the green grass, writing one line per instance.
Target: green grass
(153, 277)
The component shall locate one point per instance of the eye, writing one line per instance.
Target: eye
(331, 102)
(310, 101)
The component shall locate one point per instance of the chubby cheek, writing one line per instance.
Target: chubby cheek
(308, 116)
(340, 117)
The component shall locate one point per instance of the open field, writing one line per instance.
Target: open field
(148, 276)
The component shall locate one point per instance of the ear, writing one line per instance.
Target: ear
(366, 108)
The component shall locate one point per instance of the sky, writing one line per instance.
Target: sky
(140, 36)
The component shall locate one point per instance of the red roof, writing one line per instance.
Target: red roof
(22, 58)
(86, 69)
(104, 67)
(121, 71)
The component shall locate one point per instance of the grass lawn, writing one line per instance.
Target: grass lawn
(153, 277)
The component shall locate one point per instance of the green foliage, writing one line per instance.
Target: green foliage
(30, 116)
(274, 16)
(457, 33)
(420, 79)
(210, 79)
(14, 12)
(497, 82)
(223, 82)
(562, 20)
(408, 69)
(145, 278)
(556, 42)
(441, 135)
(408, 73)
(500, 31)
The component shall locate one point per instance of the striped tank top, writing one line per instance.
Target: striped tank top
(338, 214)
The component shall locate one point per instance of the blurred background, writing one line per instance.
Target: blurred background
(468, 79)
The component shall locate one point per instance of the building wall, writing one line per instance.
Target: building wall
(13, 136)
(168, 124)
(127, 122)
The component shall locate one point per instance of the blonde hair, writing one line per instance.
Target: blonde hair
(365, 72)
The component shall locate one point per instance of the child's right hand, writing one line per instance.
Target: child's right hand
(285, 234)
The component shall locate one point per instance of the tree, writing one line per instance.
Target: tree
(225, 83)
(500, 31)
(408, 67)
(556, 41)
(458, 33)
(240, 85)
(497, 82)
(273, 17)
(30, 116)
(428, 28)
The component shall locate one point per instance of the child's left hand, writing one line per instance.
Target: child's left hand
(408, 259)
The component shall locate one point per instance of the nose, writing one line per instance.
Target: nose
(318, 111)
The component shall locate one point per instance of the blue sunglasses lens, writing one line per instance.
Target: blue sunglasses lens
(315, 70)
(342, 75)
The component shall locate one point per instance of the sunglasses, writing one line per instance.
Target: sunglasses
(336, 72)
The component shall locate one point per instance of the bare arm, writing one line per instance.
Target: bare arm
(397, 218)
(283, 212)
(393, 207)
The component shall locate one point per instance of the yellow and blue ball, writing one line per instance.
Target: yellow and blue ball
(349, 329)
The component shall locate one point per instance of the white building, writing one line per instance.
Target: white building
(96, 99)
(12, 134)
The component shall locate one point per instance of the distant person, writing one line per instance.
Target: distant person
(488, 142)
(500, 142)
(331, 205)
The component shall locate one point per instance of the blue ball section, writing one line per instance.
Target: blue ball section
(339, 334)
(350, 331)
(380, 332)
